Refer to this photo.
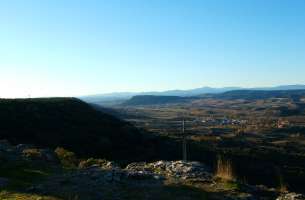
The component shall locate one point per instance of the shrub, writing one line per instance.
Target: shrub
(32, 153)
(96, 162)
(67, 158)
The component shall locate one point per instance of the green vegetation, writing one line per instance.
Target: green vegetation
(67, 158)
(7, 195)
(24, 174)
(39, 179)
(91, 161)
(229, 185)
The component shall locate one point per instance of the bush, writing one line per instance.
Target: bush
(32, 153)
(67, 158)
(96, 162)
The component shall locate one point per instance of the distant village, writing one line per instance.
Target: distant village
(210, 121)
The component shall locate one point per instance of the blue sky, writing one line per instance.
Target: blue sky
(74, 47)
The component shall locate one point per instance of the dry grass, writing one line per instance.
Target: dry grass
(5, 195)
(67, 158)
(32, 153)
(224, 169)
(282, 186)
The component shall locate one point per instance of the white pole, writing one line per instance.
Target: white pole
(184, 141)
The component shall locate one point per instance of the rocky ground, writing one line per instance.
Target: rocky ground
(30, 173)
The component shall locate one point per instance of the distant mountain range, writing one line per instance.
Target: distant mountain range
(143, 100)
(120, 97)
(154, 99)
(295, 94)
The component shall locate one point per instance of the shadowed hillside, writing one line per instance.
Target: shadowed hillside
(73, 124)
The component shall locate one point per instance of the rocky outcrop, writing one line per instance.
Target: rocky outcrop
(179, 169)
(87, 177)
(25, 152)
(101, 163)
(291, 196)
(45, 155)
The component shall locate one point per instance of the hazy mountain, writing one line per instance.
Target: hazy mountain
(259, 94)
(120, 97)
(154, 99)
(284, 87)
(141, 100)
(191, 92)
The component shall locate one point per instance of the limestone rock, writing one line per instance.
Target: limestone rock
(291, 196)
(102, 163)
(179, 169)
(39, 154)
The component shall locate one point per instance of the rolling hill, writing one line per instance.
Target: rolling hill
(259, 94)
(142, 100)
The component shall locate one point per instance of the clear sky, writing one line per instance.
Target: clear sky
(73, 47)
